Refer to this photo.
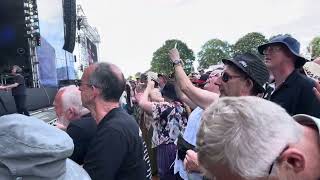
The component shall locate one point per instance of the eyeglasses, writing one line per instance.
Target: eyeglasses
(271, 50)
(80, 83)
(275, 161)
(226, 77)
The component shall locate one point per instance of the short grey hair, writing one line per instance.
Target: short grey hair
(246, 134)
(109, 79)
(71, 97)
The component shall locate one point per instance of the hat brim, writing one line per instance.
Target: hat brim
(301, 60)
(312, 70)
(234, 62)
(307, 120)
(237, 64)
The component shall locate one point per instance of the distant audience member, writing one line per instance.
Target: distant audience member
(239, 140)
(19, 90)
(75, 120)
(186, 164)
(243, 75)
(116, 151)
(169, 119)
(163, 79)
(293, 91)
(32, 149)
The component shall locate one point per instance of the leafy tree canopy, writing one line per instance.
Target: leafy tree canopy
(314, 47)
(213, 51)
(161, 61)
(249, 43)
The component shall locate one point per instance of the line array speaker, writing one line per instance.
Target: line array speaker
(70, 21)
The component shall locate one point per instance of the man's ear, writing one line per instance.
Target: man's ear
(96, 91)
(70, 113)
(294, 159)
(249, 83)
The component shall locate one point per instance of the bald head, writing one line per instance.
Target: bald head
(109, 78)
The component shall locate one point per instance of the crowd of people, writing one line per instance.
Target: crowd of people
(249, 118)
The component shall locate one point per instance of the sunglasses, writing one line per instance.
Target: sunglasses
(226, 77)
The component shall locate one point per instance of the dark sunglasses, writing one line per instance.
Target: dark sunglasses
(226, 77)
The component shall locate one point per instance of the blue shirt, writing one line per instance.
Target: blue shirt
(190, 135)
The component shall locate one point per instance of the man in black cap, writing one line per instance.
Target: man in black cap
(293, 91)
(243, 75)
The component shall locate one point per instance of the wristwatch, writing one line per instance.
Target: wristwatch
(177, 62)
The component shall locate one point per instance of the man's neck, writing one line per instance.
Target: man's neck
(102, 108)
(281, 74)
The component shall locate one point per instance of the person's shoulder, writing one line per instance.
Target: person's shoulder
(19, 75)
(305, 81)
(120, 120)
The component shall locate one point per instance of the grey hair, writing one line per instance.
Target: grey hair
(246, 134)
(109, 79)
(71, 97)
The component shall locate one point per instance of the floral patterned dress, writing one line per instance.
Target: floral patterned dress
(169, 119)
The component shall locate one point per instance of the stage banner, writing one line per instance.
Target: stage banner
(47, 64)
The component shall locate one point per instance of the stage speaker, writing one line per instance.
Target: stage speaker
(70, 21)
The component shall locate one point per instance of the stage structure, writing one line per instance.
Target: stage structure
(20, 37)
(87, 43)
(33, 36)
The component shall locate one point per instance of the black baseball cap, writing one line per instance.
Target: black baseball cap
(252, 66)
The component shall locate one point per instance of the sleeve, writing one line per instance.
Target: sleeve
(80, 143)
(18, 79)
(158, 108)
(311, 103)
(106, 155)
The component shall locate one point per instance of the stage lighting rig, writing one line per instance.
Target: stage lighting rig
(32, 22)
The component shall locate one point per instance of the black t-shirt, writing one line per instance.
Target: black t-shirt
(81, 131)
(21, 88)
(116, 151)
(296, 95)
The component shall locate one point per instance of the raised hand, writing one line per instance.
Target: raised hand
(316, 90)
(150, 84)
(174, 54)
(191, 161)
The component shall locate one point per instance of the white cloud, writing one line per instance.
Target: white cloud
(132, 30)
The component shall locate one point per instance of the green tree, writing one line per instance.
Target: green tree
(249, 43)
(213, 51)
(314, 47)
(161, 62)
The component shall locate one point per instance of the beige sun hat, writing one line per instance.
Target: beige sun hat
(312, 70)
